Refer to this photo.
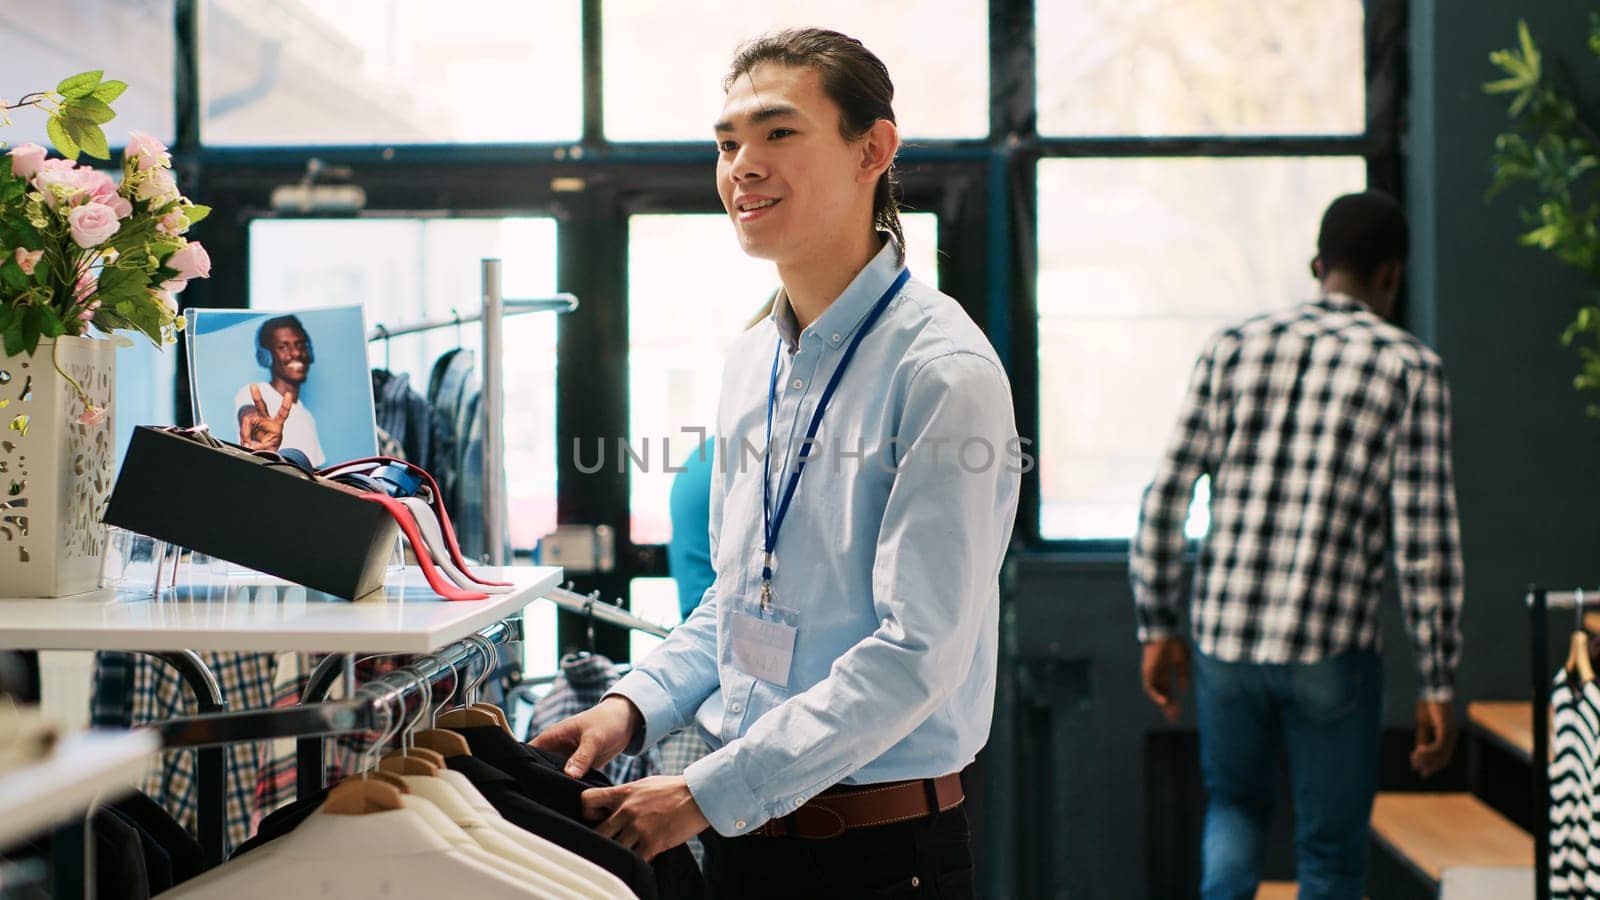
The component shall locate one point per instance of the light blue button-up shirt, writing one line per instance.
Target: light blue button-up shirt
(890, 555)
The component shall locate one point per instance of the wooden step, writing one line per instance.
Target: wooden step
(1509, 724)
(1435, 832)
(1276, 890)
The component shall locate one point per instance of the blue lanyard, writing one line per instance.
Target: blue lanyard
(774, 522)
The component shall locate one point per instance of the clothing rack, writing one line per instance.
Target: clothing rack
(492, 407)
(373, 707)
(1540, 601)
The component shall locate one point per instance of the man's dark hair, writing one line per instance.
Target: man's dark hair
(1361, 232)
(273, 324)
(853, 78)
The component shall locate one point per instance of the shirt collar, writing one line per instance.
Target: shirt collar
(1341, 303)
(845, 314)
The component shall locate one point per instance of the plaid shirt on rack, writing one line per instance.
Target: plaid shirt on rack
(1326, 436)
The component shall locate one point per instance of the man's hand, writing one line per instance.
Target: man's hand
(259, 430)
(647, 816)
(593, 737)
(1436, 737)
(1164, 672)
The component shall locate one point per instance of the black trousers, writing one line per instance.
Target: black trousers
(927, 857)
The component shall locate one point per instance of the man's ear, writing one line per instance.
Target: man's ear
(878, 147)
(1316, 267)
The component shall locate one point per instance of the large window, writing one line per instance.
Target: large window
(287, 72)
(130, 40)
(664, 61)
(1200, 67)
(1145, 254)
(1140, 260)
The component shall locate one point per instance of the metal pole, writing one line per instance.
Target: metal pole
(1540, 657)
(493, 412)
(309, 750)
(211, 773)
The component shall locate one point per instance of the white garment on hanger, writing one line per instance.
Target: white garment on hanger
(576, 872)
(376, 856)
(451, 804)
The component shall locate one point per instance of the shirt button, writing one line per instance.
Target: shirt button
(798, 384)
(837, 338)
(734, 707)
(739, 824)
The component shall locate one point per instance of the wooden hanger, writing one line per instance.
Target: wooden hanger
(388, 778)
(438, 740)
(467, 717)
(407, 765)
(498, 714)
(359, 796)
(1577, 664)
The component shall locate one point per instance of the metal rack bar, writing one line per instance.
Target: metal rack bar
(590, 605)
(210, 767)
(560, 303)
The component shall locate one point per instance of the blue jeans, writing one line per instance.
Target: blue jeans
(1328, 716)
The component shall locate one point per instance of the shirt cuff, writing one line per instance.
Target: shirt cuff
(724, 799)
(1149, 633)
(654, 704)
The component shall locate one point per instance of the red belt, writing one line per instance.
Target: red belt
(839, 809)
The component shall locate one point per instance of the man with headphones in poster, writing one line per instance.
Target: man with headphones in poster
(269, 417)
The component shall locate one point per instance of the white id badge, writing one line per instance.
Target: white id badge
(763, 645)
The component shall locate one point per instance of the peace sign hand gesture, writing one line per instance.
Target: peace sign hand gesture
(260, 430)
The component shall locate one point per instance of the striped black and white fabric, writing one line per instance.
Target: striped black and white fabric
(1325, 433)
(1574, 819)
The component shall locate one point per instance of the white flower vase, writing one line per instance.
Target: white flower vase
(55, 471)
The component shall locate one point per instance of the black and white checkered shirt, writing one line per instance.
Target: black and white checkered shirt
(1325, 433)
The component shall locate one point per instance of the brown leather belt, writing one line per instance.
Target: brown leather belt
(837, 810)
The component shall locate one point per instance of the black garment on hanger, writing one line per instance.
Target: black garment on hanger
(539, 774)
(157, 864)
(506, 796)
(188, 860)
(452, 383)
(403, 413)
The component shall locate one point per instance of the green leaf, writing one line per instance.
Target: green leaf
(1529, 51)
(14, 340)
(11, 275)
(50, 324)
(196, 213)
(30, 328)
(109, 91)
(59, 136)
(89, 109)
(81, 85)
(93, 141)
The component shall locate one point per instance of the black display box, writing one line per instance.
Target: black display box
(265, 517)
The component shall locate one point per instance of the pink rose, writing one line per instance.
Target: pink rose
(158, 186)
(149, 152)
(86, 286)
(26, 159)
(120, 205)
(175, 286)
(58, 182)
(28, 260)
(91, 415)
(191, 261)
(171, 224)
(93, 224)
(97, 183)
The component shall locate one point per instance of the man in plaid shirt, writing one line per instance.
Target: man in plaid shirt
(1325, 433)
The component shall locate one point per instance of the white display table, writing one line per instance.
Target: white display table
(211, 612)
